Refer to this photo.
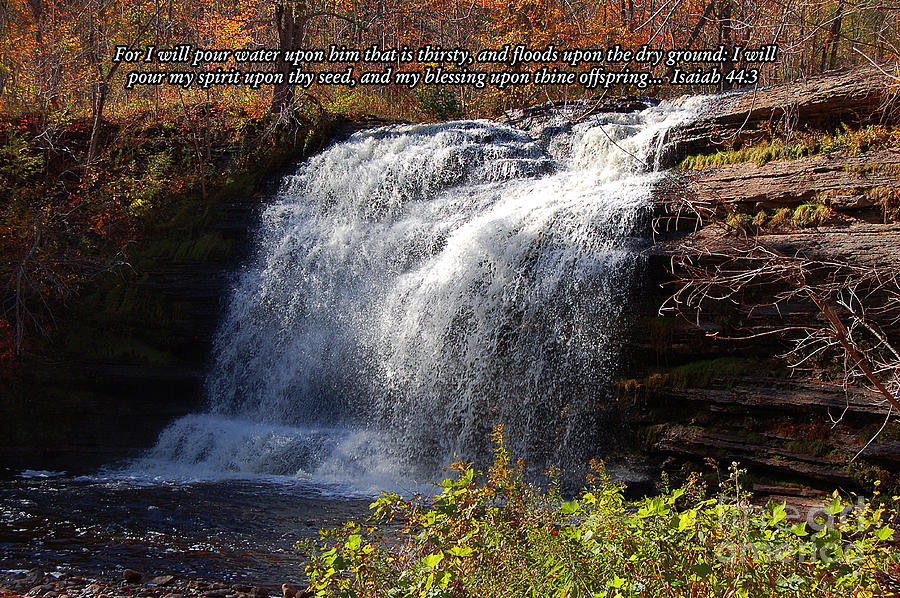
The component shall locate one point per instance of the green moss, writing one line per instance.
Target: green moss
(816, 448)
(811, 214)
(698, 374)
(801, 145)
(204, 246)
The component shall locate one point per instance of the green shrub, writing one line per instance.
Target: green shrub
(504, 537)
(438, 103)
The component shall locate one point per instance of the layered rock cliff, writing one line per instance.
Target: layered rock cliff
(702, 396)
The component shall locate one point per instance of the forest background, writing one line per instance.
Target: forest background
(98, 180)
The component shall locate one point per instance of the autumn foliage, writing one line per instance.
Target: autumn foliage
(77, 191)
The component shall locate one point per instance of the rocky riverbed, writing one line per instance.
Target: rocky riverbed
(35, 582)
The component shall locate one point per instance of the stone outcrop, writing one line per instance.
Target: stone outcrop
(839, 179)
(788, 427)
(855, 95)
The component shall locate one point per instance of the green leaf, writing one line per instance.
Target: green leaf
(778, 513)
(569, 508)
(353, 542)
(432, 560)
(686, 520)
(884, 534)
(792, 583)
(702, 569)
(460, 551)
(799, 529)
(617, 582)
(834, 507)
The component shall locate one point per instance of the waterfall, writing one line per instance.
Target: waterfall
(416, 285)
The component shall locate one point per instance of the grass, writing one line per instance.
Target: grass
(803, 145)
(809, 214)
(697, 374)
(498, 535)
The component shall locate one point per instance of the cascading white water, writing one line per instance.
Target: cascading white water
(416, 285)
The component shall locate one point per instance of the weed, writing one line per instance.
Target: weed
(498, 535)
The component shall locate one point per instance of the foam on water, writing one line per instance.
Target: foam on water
(414, 286)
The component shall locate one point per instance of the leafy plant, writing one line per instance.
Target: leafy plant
(498, 535)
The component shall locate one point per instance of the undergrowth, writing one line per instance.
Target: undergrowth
(498, 535)
(152, 195)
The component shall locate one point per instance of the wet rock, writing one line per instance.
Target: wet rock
(34, 576)
(162, 580)
(259, 592)
(243, 589)
(132, 576)
(220, 593)
(288, 591)
(39, 590)
(198, 585)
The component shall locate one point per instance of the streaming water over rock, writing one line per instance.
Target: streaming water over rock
(415, 285)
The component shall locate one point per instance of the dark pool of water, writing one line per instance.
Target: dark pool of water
(229, 530)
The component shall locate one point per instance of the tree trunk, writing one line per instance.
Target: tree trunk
(290, 23)
(99, 103)
(725, 38)
(836, 32)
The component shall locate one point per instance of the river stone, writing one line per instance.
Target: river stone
(288, 591)
(132, 576)
(162, 580)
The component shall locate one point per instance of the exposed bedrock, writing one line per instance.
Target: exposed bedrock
(701, 396)
(856, 95)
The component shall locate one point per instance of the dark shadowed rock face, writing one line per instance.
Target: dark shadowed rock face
(77, 413)
(696, 396)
